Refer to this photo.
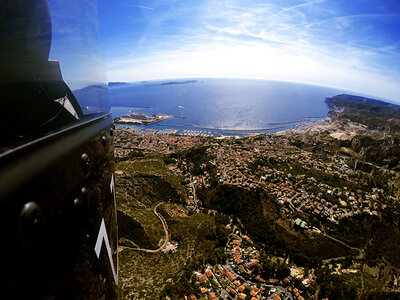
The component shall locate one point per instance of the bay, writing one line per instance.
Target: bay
(223, 104)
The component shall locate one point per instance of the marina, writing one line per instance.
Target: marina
(153, 131)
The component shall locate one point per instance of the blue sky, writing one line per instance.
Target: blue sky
(347, 44)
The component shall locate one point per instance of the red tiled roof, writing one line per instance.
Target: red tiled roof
(242, 296)
(253, 262)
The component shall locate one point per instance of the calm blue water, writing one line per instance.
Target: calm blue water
(229, 104)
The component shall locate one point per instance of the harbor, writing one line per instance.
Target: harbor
(148, 121)
(170, 131)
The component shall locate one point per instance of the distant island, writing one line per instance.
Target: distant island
(122, 83)
(117, 83)
(172, 82)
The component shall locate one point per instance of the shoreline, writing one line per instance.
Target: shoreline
(232, 129)
(281, 126)
(308, 119)
(300, 125)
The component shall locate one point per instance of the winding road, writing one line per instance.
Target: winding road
(165, 227)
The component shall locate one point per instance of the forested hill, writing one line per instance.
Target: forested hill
(376, 114)
(361, 103)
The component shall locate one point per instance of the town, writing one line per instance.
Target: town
(236, 280)
(294, 192)
(309, 190)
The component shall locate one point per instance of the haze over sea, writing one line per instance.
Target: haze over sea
(228, 104)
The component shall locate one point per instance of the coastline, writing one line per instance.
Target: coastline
(301, 127)
(234, 130)
(306, 126)
(145, 119)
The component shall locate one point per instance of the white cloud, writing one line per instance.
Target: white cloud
(266, 41)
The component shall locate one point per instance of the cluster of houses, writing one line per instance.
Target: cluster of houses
(127, 138)
(292, 192)
(232, 159)
(217, 282)
(213, 282)
(242, 255)
(307, 195)
(236, 164)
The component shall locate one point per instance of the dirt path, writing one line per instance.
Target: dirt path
(165, 227)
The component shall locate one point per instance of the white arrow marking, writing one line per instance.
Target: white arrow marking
(103, 236)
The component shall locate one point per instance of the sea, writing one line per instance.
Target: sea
(220, 106)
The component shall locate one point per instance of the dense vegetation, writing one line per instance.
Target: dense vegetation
(196, 157)
(295, 168)
(209, 250)
(132, 230)
(131, 155)
(148, 189)
(335, 286)
(379, 235)
(258, 213)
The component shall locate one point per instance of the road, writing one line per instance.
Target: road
(194, 192)
(360, 251)
(165, 227)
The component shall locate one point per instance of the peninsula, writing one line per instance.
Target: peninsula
(141, 118)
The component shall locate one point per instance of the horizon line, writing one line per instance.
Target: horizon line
(359, 93)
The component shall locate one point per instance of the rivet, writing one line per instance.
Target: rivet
(104, 140)
(77, 202)
(84, 193)
(85, 160)
(31, 213)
